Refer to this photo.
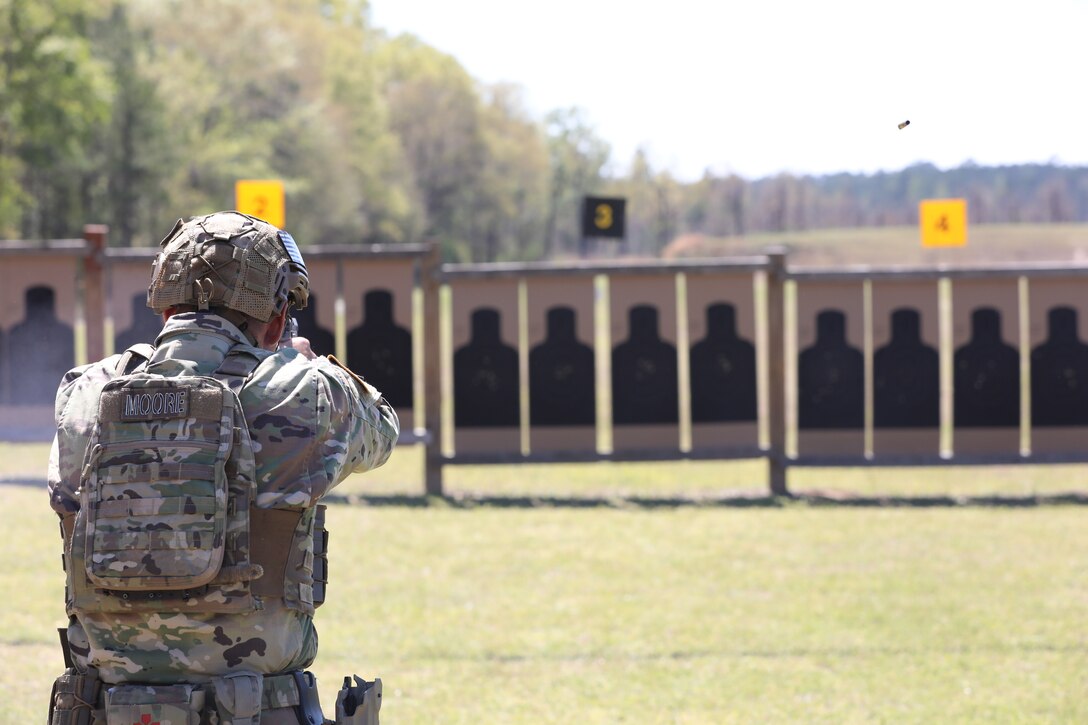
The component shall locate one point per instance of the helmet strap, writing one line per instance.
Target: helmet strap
(203, 288)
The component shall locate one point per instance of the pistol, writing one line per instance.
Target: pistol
(290, 330)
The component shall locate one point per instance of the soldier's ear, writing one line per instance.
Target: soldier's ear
(274, 331)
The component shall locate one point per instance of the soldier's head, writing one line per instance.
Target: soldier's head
(234, 265)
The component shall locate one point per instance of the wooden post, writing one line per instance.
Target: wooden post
(776, 357)
(94, 290)
(430, 275)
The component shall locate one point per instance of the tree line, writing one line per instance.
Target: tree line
(133, 112)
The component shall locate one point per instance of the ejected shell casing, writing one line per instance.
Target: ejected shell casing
(904, 125)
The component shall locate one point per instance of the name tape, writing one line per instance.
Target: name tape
(155, 404)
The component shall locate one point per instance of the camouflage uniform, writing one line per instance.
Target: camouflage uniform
(312, 423)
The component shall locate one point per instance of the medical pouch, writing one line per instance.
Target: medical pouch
(163, 704)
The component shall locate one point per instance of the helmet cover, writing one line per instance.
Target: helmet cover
(229, 259)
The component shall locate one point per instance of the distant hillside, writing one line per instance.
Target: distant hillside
(986, 243)
(995, 194)
(1035, 193)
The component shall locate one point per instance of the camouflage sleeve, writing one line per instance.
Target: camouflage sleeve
(313, 423)
(66, 455)
(367, 424)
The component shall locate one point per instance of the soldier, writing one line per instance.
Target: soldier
(187, 478)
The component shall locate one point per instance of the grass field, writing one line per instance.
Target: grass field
(612, 611)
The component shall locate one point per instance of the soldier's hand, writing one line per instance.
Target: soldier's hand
(302, 344)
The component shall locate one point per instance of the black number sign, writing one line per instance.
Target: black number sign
(603, 217)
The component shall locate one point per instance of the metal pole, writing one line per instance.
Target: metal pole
(776, 357)
(94, 301)
(432, 371)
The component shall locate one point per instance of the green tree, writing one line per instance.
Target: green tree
(434, 111)
(134, 153)
(53, 98)
(577, 156)
(509, 203)
(653, 206)
(285, 92)
(221, 97)
(715, 206)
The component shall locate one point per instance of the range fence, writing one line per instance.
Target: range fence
(651, 360)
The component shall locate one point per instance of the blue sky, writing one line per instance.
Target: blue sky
(759, 87)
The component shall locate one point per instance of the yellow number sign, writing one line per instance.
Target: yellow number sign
(602, 219)
(943, 222)
(262, 199)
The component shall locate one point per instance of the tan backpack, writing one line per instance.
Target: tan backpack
(166, 488)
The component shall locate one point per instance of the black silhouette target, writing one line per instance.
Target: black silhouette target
(381, 351)
(485, 376)
(1059, 373)
(906, 377)
(145, 325)
(41, 349)
(322, 340)
(561, 375)
(986, 376)
(644, 373)
(3, 368)
(723, 370)
(830, 378)
(377, 296)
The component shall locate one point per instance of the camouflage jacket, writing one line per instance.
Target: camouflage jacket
(312, 423)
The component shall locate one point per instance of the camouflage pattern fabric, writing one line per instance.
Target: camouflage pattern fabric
(311, 422)
(156, 504)
(170, 705)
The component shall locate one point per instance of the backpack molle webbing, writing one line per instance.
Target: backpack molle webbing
(167, 485)
(167, 520)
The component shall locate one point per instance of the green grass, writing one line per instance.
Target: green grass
(682, 614)
(403, 476)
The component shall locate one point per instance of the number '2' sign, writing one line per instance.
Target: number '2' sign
(262, 199)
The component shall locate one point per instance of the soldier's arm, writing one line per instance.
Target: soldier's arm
(365, 425)
(62, 475)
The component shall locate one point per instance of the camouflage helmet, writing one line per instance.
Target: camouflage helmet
(229, 260)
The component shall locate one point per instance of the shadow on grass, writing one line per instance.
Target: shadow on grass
(742, 500)
(771, 654)
(745, 499)
(22, 481)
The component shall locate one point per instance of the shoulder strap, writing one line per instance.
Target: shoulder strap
(236, 367)
(134, 357)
